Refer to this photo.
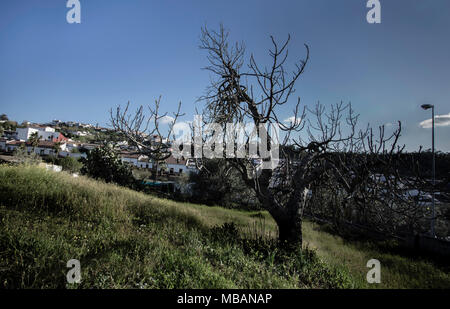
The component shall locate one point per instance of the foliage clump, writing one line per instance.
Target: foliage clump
(23, 157)
(105, 163)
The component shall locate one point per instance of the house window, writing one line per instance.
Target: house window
(42, 151)
(181, 171)
(171, 171)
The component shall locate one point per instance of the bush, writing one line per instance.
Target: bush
(70, 164)
(25, 158)
(104, 163)
(226, 233)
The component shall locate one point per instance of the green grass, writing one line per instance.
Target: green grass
(126, 239)
(399, 268)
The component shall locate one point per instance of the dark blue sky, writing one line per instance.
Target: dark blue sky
(137, 50)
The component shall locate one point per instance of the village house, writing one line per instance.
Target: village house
(80, 133)
(172, 165)
(137, 160)
(71, 145)
(44, 132)
(43, 148)
(178, 166)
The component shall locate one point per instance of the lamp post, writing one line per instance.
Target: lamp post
(425, 107)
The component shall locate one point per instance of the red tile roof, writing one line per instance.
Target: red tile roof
(172, 160)
(41, 144)
(14, 142)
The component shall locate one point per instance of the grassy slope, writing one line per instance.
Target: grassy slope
(399, 268)
(125, 239)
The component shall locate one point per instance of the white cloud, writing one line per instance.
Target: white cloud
(439, 121)
(166, 119)
(291, 120)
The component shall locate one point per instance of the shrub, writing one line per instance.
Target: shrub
(70, 164)
(25, 158)
(104, 163)
(227, 232)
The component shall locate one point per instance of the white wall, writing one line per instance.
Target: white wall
(130, 160)
(42, 151)
(177, 167)
(46, 134)
(144, 165)
(24, 133)
(149, 165)
(46, 129)
(75, 155)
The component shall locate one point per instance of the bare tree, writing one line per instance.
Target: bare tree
(317, 143)
(143, 131)
(372, 191)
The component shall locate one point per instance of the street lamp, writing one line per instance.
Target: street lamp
(425, 107)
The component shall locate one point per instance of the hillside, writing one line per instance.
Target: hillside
(126, 239)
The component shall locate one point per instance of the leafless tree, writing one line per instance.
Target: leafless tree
(317, 144)
(143, 131)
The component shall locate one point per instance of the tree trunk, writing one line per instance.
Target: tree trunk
(289, 220)
(289, 227)
(290, 231)
(155, 173)
(287, 213)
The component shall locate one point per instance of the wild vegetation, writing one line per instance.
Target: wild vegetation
(127, 239)
(104, 163)
(6, 123)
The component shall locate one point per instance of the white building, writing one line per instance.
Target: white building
(80, 133)
(45, 133)
(172, 165)
(137, 160)
(24, 134)
(76, 155)
(177, 166)
(70, 144)
(43, 148)
(43, 128)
